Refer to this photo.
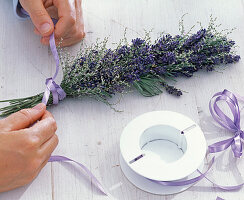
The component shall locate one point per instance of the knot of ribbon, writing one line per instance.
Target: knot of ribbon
(236, 142)
(57, 92)
(51, 87)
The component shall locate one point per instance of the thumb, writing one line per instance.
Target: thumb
(23, 118)
(39, 16)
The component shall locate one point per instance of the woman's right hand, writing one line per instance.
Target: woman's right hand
(70, 25)
(26, 145)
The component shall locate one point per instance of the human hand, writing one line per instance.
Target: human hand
(70, 25)
(25, 150)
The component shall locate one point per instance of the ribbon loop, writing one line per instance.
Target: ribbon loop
(236, 141)
(56, 90)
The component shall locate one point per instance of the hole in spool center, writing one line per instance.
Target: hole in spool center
(163, 143)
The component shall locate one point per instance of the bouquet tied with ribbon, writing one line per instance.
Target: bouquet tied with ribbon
(100, 72)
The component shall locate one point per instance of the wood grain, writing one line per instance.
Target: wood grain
(88, 130)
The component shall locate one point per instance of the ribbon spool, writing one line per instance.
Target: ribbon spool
(161, 146)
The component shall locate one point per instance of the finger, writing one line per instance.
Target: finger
(53, 12)
(48, 3)
(79, 13)
(41, 167)
(45, 40)
(23, 118)
(77, 33)
(43, 164)
(39, 16)
(47, 114)
(75, 38)
(48, 147)
(67, 17)
(36, 31)
(79, 18)
(43, 129)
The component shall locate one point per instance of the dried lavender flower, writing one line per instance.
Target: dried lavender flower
(101, 72)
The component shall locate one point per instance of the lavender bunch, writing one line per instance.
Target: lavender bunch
(100, 72)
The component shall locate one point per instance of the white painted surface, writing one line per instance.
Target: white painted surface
(88, 130)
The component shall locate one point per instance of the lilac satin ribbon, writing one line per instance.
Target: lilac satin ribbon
(58, 95)
(87, 171)
(52, 87)
(235, 142)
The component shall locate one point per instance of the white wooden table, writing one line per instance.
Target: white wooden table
(88, 130)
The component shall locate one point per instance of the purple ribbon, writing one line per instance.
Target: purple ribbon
(198, 178)
(58, 95)
(87, 171)
(52, 87)
(236, 142)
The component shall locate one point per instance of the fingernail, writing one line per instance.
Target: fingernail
(39, 106)
(44, 28)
